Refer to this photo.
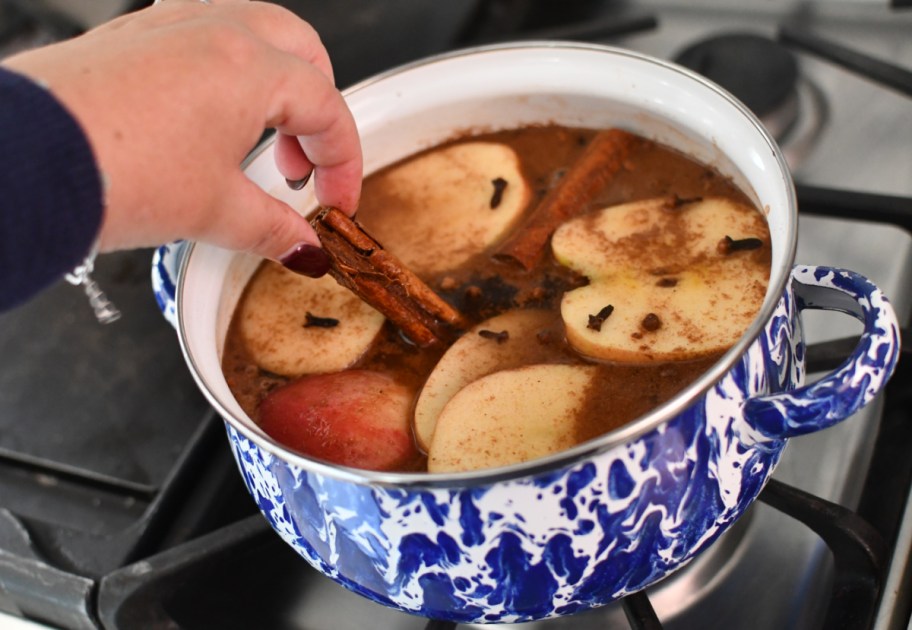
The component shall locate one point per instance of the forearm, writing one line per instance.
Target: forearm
(50, 190)
(171, 99)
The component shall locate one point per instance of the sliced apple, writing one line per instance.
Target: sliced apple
(502, 342)
(440, 208)
(663, 277)
(281, 338)
(510, 417)
(354, 418)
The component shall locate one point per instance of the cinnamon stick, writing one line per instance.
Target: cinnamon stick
(360, 263)
(603, 157)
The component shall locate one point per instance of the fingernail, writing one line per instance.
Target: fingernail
(298, 184)
(308, 260)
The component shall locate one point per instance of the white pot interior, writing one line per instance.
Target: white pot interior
(421, 105)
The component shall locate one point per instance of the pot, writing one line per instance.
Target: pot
(609, 517)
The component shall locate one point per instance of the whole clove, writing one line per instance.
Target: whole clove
(677, 202)
(499, 337)
(312, 321)
(500, 184)
(651, 322)
(596, 321)
(729, 245)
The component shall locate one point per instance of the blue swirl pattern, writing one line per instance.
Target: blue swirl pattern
(853, 384)
(166, 263)
(584, 534)
(542, 545)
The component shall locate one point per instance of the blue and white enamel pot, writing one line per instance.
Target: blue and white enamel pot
(609, 517)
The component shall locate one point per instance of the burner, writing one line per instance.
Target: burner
(758, 71)
(764, 76)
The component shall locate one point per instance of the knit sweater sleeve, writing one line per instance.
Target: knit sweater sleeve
(51, 202)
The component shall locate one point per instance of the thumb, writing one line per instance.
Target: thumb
(257, 222)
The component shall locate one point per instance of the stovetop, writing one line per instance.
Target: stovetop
(120, 506)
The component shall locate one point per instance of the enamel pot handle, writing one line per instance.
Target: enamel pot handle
(854, 383)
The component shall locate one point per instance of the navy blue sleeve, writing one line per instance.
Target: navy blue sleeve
(51, 201)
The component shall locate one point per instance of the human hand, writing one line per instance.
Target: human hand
(173, 97)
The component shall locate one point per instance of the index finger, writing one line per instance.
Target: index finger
(306, 104)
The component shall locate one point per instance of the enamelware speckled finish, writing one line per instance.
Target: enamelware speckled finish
(609, 517)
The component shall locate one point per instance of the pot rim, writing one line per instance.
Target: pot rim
(586, 450)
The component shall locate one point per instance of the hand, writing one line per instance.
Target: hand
(173, 97)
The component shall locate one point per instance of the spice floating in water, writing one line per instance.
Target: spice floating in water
(499, 337)
(651, 322)
(677, 202)
(312, 321)
(729, 245)
(667, 283)
(500, 185)
(596, 321)
(481, 288)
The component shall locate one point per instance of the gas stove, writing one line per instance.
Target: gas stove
(120, 505)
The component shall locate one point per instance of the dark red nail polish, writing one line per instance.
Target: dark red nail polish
(298, 184)
(308, 260)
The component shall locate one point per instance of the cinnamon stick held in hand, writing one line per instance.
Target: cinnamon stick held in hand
(600, 161)
(360, 263)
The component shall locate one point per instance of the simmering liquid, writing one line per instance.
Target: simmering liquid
(482, 287)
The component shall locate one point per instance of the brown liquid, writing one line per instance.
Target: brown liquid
(483, 288)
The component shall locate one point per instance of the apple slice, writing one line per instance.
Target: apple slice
(353, 418)
(282, 338)
(440, 208)
(510, 417)
(502, 342)
(668, 280)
